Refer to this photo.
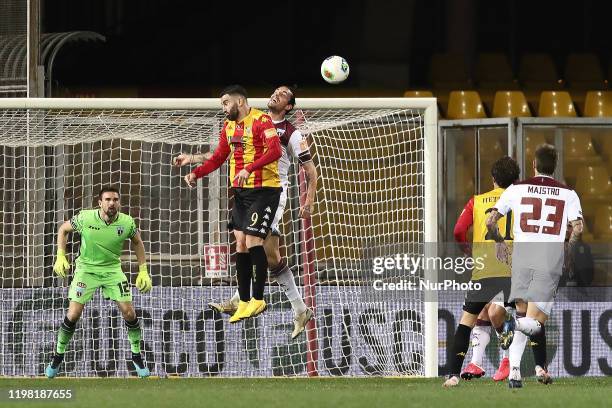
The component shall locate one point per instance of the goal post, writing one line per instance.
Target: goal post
(377, 197)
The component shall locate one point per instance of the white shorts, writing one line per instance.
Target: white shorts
(278, 217)
(532, 285)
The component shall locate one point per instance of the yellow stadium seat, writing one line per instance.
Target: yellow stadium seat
(598, 104)
(494, 71)
(556, 104)
(603, 222)
(465, 105)
(532, 140)
(578, 150)
(583, 71)
(606, 146)
(510, 104)
(578, 145)
(593, 183)
(538, 71)
(448, 71)
(418, 94)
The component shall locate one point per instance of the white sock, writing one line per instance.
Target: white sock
(516, 350)
(481, 335)
(236, 297)
(505, 353)
(287, 284)
(528, 325)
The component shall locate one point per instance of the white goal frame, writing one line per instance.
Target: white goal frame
(429, 105)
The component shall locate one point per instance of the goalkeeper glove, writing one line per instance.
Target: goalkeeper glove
(61, 263)
(143, 281)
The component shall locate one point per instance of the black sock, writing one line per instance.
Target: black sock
(461, 344)
(57, 360)
(243, 271)
(260, 264)
(137, 359)
(538, 346)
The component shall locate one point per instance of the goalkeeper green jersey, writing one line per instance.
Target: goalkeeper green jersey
(101, 243)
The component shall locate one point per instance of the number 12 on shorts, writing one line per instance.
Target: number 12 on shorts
(124, 288)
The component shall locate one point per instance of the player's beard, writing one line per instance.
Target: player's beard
(233, 113)
(111, 213)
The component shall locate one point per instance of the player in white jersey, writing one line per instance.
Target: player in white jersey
(542, 209)
(294, 146)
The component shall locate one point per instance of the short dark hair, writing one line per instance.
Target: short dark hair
(546, 159)
(234, 90)
(505, 171)
(108, 189)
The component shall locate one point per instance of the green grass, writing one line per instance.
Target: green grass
(314, 393)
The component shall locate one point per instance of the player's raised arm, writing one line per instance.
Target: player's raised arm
(310, 171)
(61, 262)
(213, 163)
(184, 158)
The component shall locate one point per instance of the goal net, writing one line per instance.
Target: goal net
(376, 198)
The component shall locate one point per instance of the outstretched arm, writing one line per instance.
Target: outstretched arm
(310, 171)
(184, 158)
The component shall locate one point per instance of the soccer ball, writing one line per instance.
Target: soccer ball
(334, 69)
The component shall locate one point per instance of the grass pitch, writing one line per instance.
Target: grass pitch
(318, 392)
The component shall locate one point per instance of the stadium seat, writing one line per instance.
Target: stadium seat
(418, 94)
(556, 104)
(578, 150)
(598, 104)
(465, 105)
(493, 71)
(606, 146)
(532, 140)
(538, 71)
(449, 71)
(603, 224)
(583, 71)
(595, 184)
(510, 104)
(578, 145)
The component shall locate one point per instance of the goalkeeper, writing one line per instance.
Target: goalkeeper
(103, 232)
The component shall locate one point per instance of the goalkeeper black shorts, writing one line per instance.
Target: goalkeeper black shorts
(254, 209)
(495, 290)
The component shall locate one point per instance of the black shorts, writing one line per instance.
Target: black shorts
(254, 210)
(476, 300)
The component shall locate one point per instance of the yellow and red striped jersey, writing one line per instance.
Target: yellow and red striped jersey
(254, 145)
(475, 215)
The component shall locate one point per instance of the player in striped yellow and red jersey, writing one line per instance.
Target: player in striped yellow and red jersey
(485, 306)
(250, 137)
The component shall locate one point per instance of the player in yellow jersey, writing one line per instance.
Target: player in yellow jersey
(251, 142)
(494, 277)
